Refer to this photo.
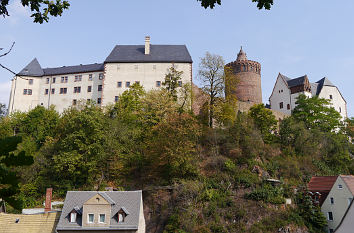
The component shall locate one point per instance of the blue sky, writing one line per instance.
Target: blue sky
(295, 37)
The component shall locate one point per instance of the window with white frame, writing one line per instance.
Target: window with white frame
(89, 88)
(47, 81)
(46, 91)
(119, 84)
(340, 186)
(78, 78)
(90, 77)
(73, 217)
(53, 80)
(102, 218)
(90, 218)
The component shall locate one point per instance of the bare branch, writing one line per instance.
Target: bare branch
(2, 55)
(8, 69)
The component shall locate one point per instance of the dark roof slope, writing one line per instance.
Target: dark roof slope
(33, 69)
(74, 69)
(297, 81)
(158, 53)
(323, 82)
(128, 200)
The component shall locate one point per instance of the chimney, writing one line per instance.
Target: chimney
(147, 45)
(48, 200)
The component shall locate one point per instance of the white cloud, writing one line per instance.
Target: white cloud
(5, 89)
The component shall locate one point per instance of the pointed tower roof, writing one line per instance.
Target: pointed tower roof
(32, 69)
(241, 56)
(323, 82)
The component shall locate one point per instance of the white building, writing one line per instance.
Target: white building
(286, 91)
(102, 83)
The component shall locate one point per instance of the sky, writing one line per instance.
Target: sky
(294, 38)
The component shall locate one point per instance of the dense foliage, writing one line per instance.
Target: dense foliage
(219, 176)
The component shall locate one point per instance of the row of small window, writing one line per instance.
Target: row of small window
(136, 67)
(99, 101)
(158, 84)
(64, 90)
(281, 106)
(91, 218)
(64, 79)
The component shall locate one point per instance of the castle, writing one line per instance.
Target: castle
(101, 83)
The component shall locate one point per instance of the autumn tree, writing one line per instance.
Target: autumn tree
(172, 81)
(211, 71)
(10, 159)
(41, 9)
(316, 113)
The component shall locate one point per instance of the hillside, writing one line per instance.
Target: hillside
(194, 178)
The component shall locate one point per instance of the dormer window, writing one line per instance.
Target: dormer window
(122, 214)
(120, 217)
(73, 217)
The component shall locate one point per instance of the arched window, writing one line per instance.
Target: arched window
(243, 68)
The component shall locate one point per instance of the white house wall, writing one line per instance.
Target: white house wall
(337, 100)
(145, 73)
(280, 94)
(19, 101)
(340, 205)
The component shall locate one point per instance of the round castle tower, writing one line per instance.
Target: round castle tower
(248, 79)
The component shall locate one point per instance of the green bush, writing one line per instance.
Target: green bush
(267, 193)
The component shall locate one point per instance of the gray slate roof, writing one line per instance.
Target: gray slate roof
(158, 53)
(73, 69)
(297, 81)
(129, 201)
(315, 87)
(33, 69)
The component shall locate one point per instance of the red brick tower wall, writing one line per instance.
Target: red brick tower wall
(248, 79)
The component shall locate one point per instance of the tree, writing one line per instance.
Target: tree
(266, 4)
(2, 110)
(316, 113)
(41, 9)
(171, 82)
(211, 74)
(10, 159)
(265, 121)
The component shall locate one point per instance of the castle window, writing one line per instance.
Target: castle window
(89, 88)
(180, 83)
(73, 217)
(116, 98)
(99, 88)
(53, 90)
(127, 84)
(47, 81)
(90, 77)
(288, 106)
(281, 105)
(78, 78)
(158, 83)
(30, 81)
(88, 101)
(119, 84)
(137, 82)
(100, 76)
(74, 101)
(53, 80)
(63, 90)
(64, 79)
(77, 89)
(332, 200)
(331, 97)
(340, 186)
(46, 91)
(99, 100)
